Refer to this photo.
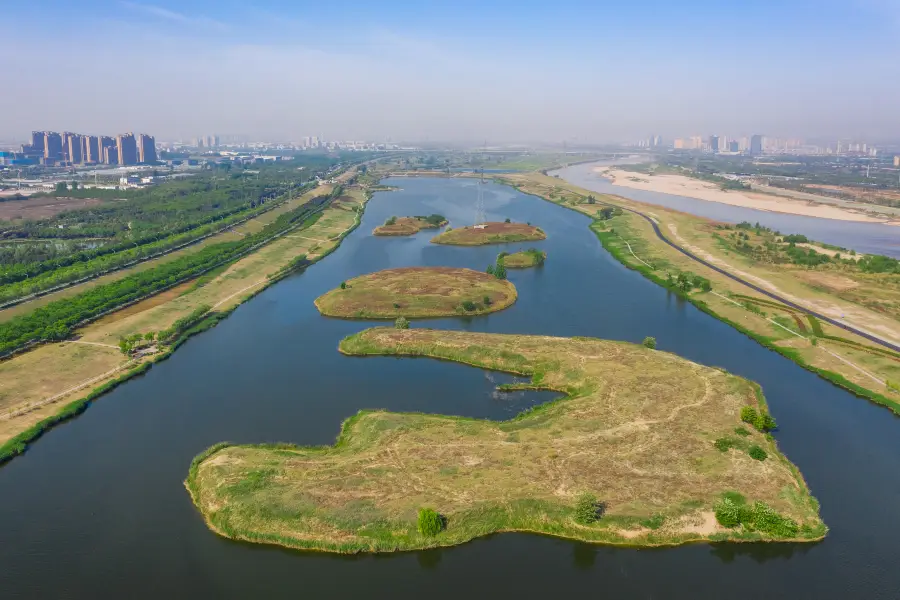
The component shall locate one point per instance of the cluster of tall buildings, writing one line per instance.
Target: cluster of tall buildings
(210, 142)
(755, 144)
(53, 148)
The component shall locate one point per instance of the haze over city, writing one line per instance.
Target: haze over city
(511, 71)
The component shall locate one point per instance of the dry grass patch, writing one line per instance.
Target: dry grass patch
(406, 226)
(636, 431)
(416, 292)
(490, 233)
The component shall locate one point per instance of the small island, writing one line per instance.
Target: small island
(417, 292)
(409, 225)
(522, 260)
(645, 449)
(490, 233)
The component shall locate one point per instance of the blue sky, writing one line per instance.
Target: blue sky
(496, 71)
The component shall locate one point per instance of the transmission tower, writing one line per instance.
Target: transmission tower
(479, 203)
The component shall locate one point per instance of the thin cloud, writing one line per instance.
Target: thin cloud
(174, 17)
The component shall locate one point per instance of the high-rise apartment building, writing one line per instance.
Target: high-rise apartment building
(734, 146)
(37, 141)
(897, 161)
(756, 144)
(146, 148)
(92, 149)
(74, 147)
(108, 149)
(127, 149)
(713, 143)
(53, 145)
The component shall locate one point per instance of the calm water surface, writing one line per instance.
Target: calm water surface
(871, 238)
(97, 509)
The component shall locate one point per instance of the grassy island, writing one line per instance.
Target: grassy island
(409, 225)
(646, 449)
(417, 292)
(490, 233)
(523, 260)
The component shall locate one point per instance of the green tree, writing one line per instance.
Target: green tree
(61, 187)
(649, 342)
(489, 270)
(429, 522)
(343, 285)
(500, 272)
(401, 323)
(749, 415)
(591, 199)
(507, 220)
(587, 509)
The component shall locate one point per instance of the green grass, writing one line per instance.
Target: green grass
(485, 476)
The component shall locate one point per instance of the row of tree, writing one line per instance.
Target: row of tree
(56, 320)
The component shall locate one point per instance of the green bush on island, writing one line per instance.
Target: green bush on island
(724, 444)
(761, 421)
(759, 517)
(649, 342)
(757, 453)
(587, 509)
(429, 522)
(401, 323)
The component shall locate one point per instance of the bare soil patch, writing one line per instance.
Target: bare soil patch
(41, 207)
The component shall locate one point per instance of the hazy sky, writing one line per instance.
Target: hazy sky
(463, 70)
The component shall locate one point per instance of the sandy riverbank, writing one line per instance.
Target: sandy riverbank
(680, 185)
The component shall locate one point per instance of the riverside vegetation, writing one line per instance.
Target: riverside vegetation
(864, 289)
(628, 456)
(150, 330)
(417, 292)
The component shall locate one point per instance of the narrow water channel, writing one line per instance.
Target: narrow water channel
(96, 508)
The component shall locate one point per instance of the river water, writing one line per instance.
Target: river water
(869, 238)
(96, 508)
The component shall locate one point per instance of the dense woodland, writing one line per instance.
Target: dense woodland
(138, 224)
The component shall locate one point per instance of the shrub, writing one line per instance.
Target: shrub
(391, 221)
(587, 509)
(343, 285)
(401, 323)
(741, 431)
(654, 522)
(765, 422)
(749, 415)
(757, 453)
(729, 513)
(468, 305)
(487, 300)
(490, 270)
(429, 523)
(724, 444)
(649, 342)
(892, 385)
(507, 220)
(500, 272)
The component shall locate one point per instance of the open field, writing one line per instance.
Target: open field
(30, 385)
(490, 233)
(636, 431)
(524, 259)
(862, 300)
(418, 292)
(681, 185)
(42, 207)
